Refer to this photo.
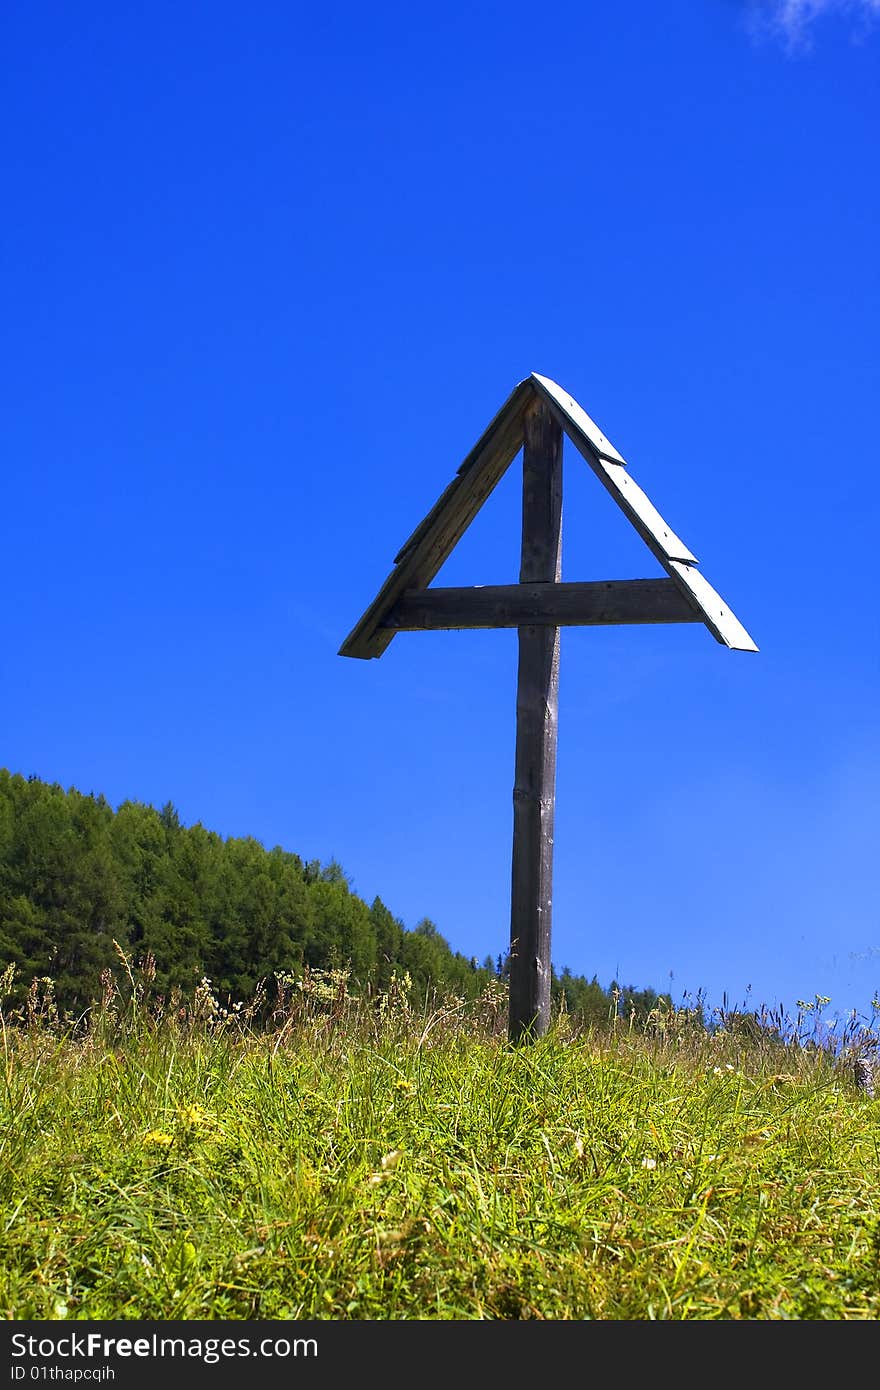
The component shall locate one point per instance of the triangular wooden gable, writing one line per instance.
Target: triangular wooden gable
(405, 602)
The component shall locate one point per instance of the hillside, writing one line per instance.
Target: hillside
(80, 882)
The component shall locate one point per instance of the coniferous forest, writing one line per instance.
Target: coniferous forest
(80, 882)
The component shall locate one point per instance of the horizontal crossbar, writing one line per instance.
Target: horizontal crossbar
(594, 604)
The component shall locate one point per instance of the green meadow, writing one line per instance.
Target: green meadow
(311, 1154)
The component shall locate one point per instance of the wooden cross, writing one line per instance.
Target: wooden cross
(533, 419)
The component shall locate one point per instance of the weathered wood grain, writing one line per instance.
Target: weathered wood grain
(657, 534)
(591, 604)
(711, 608)
(537, 697)
(611, 470)
(433, 539)
(399, 607)
(493, 436)
(580, 428)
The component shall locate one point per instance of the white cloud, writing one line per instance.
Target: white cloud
(792, 20)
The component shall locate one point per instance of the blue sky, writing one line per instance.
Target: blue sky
(268, 272)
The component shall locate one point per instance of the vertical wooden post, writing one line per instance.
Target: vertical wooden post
(537, 696)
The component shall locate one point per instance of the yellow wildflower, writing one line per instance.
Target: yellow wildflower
(159, 1137)
(194, 1115)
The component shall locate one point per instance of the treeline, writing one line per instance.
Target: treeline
(77, 876)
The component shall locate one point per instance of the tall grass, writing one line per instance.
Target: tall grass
(309, 1154)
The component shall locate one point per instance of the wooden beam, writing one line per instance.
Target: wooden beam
(711, 608)
(635, 504)
(537, 697)
(675, 557)
(549, 605)
(610, 468)
(421, 557)
(578, 425)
